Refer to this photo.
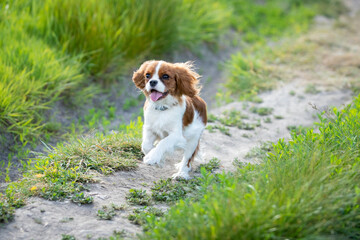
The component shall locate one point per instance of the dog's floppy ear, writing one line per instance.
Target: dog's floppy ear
(138, 76)
(186, 79)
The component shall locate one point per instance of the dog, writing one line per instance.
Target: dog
(174, 114)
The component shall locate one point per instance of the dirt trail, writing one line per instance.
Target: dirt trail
(42, 219)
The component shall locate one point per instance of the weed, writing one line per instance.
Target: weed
(262, 111)
(140, 215)
(260, 152)
(278, 117)
(170, 191)
(246, 135)
(221, 128)
(297, 129)
(80, 198)
(67, 237)
(212, 165)
(255, 99)
(239, 164)
(267, 120)
(67, 219)
(311, 89)
(247, 76)
(212, 118)
(292, 93)
(138, 197)
(108, 212)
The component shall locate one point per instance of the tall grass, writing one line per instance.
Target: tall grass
(50, 48)
(114, 35)
(307, 188)
(32, 76)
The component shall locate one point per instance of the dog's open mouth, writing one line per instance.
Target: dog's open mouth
(155, 95)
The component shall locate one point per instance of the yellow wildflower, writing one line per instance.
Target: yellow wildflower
(33, 188)
(39, 175)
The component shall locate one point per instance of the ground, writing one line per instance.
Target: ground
(314, 78)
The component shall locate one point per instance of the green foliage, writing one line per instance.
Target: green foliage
(140, 215)
(170, 191)
(221, 128)
(271, 19)
(113, 35)
(30, 82)
(231, 118)
(63, 171)
(304, 189)
(249, 70)
(108, 212)
(138, 197)
(67, 237)
(247, 76)
(262, 111)
(212, 165)
(81, 198)
(297, 129)
(260, 152)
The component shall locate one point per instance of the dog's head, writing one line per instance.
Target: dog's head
(158, 79)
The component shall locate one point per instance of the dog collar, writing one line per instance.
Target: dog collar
(161, 108)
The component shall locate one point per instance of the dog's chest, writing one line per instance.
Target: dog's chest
(163, 122)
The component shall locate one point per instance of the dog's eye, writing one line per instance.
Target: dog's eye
(148, 75)
(165, 76)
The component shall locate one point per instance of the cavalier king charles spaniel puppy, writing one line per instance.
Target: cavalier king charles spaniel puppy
(174, 114)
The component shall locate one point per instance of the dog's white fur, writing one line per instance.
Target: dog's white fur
(166, 126)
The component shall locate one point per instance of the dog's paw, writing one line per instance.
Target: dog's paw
(146, 148)
(181, 175)
(152, 158)
(178, 165)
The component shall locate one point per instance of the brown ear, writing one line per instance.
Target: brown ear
(138, 76)
(186, 80)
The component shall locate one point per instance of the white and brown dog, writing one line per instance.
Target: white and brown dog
(174, 114)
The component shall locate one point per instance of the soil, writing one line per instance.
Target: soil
(42, 219)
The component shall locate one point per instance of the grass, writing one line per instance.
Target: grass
(320, 199)
(140, 215)
(138, 197)
(108, 212)
(221, 128)
(232, 118)
(251, 69)
(31, 82)
(62, 172)
(212, 165)
(171, 191)
(262, 111)
(260, 152)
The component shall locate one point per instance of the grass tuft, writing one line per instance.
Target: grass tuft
(138, 197)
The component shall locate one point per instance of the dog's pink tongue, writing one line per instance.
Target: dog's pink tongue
(155, 95)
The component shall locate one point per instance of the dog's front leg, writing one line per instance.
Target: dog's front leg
(168, 144)
(148, 140)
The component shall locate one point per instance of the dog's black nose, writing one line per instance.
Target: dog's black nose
(153, 83)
